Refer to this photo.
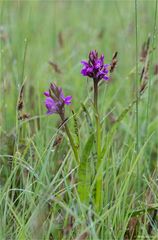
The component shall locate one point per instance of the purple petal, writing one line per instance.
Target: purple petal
(102, 58)
(87, 71)
(86, 64)
(67, 100)
(50, 104)
(61, 93)
(52, 108)
(106, 78)
(106, 71)
(47, 94)
(93, 55)
(98, 64)
(84, 72)
(106, 65)
(49, 112)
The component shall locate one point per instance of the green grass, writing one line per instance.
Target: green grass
(43, 193)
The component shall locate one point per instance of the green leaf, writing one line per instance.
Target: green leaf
(84, 173)
(88, 118)
(76, 128)
(109, 138)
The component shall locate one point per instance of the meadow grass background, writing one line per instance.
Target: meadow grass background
(38, 180)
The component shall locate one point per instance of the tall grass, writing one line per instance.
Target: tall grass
(41, 194)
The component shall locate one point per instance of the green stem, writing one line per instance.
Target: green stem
(74, 148)
(137, 81)
(99, 172)
(137, 92)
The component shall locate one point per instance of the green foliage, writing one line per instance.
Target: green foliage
(84, 172)
(39, 179)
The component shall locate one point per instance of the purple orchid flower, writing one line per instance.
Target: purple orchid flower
(55, 100)
(95, 67)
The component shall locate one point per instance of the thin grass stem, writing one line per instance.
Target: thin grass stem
(151, 60)
(136, 79)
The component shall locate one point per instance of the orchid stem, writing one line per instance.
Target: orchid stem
(99, 172)
(74, 148)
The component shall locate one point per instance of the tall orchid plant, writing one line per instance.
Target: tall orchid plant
(55, 102)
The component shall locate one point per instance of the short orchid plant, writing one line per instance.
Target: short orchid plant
(55, 100)
(55, 103)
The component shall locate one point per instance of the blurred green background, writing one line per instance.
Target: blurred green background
(64, 32)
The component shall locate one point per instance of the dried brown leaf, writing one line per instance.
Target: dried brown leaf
(131, 232)
(113, 62)
(83, 236)
(60, 39)
(156, 69)
(21, 100)
(58, 140)
(23, 116)
(55, 67)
